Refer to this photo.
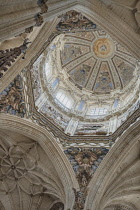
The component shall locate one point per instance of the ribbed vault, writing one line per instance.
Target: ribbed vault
(33, 174)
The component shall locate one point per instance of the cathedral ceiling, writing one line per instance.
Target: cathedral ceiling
(93, 68)
(90, 66)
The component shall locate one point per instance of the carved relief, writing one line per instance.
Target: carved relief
(84, 163)
(57, 206)
(42, 5)
(74, 21)
(92, 129)
(11, 99)
(29, 30)
(8, 56)
(39, 20)
(36, 84)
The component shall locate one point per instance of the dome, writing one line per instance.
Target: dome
(95, 62)
(85, 81)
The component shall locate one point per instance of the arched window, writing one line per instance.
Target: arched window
(47, 70)
(64, 100)
(116, 102)
(55, 82)
(81, 105)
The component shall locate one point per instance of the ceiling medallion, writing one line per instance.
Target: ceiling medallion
(103, 48)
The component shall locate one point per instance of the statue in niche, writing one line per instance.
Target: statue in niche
(84, 181)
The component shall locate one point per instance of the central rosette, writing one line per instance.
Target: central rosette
(103, 48)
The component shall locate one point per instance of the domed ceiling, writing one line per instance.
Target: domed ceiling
(84, 82)
(94, 61)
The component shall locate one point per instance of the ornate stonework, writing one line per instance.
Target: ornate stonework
(12, 99)
(38, 20)
(42, 5)
(8, 56)
(21, 175)
(84, 162)
(74, 21)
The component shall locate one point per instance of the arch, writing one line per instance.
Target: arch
(51, 148)
(118, 175)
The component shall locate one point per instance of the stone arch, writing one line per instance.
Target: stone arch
(116, 180)
(58, 177)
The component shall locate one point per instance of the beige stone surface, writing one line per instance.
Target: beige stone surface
(35, 172)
